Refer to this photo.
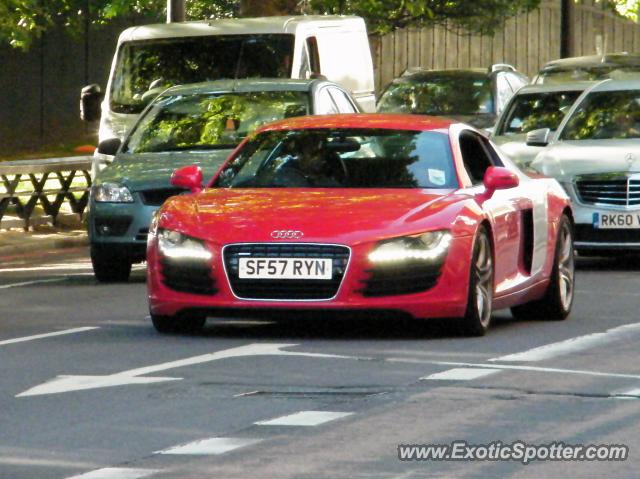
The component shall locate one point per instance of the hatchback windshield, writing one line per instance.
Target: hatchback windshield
(343, 158)
(212, 120)
(532, 111)
(158, 64)
(605, 115)
(439, 95)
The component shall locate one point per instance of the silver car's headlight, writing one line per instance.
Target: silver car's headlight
(430, 246)
(175, 245)
(112, 193)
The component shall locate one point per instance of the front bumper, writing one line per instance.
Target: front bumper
(446, 298)
(121, 227)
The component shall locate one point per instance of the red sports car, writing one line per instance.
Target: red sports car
(398, 214)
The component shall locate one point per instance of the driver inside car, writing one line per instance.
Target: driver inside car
(310, 164)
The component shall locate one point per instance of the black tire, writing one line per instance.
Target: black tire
(181, 323)
(556, 304)
(477, 318)
(108, 266)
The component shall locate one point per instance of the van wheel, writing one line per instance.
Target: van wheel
(180, 323)
(109, 267)
(556, 304)
(477, 319)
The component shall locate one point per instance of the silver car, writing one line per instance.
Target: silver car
(531, 108)
(595, 155)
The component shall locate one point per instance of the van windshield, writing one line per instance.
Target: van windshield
(151, 66)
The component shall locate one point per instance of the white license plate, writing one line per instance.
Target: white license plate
(619, 221)
(285, 268)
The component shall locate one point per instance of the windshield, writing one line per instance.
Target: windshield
(590, 73)
(605, 115)
(158, 64)
(211, 120)
(532, 111)
(443, 95)
(343, 158)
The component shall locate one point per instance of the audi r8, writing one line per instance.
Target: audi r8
(408, 215)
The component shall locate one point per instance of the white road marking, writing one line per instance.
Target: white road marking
(305, 418)
(117, 473)
(47, 335)
(50, 267)
(572, 345)
(630, 394)
(212, 446)
(64, 383)
(461, 374)
(29, 283)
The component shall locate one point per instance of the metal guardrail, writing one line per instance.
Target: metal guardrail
(50, 183)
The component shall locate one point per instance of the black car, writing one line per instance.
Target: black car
(474, 96)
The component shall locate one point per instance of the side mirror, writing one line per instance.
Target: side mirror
(109, 147)
(189, 177)
(538, 137)
(90, 99)
(498, 178)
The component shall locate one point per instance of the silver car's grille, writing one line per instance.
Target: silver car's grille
(619, 189)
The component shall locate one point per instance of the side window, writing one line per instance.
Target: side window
(324, 104)
(342, 101)
(314, 57)
(477, 156)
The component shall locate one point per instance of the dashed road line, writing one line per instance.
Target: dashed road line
(116, 473)
(211, 446)
(305, 418)
(461, 374)
(572, 345)
(47, 335)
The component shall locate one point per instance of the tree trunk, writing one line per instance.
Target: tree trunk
(175, 11)
(268, 8)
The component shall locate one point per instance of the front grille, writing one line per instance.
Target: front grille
(303, 289)
(158, 196)
(589, 234)
(187, 276)
(112, 226)
(612, 190)
(394, 280)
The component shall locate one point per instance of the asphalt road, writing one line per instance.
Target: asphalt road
(89, 390)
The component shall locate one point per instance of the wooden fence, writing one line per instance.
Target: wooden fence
(526, 42)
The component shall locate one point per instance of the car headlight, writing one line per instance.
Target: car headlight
(112, 193)
(172, 244)
(429, 246)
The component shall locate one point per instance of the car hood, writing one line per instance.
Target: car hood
(325, 215)
(565, 159)
(153, 170)
(516, 148)
(480, 121)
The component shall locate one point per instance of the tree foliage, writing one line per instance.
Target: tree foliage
(21, 21)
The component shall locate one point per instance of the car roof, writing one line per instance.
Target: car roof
(616, 85)
(426, 75)
(555, 87)
(242, 85)
(385, 121)
(609, 59)
(234, 26)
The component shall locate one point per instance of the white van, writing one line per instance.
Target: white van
(150, 58)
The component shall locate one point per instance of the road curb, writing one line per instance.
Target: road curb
(30, 245)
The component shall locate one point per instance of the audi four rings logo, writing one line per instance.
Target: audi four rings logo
(287, 234)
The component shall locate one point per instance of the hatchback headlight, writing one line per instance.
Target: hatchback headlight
(175, 245)
(431, 246)
(112, 193)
